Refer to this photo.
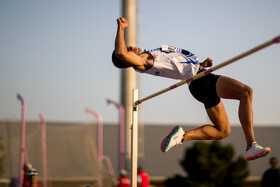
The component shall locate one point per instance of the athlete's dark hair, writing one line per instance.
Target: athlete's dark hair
(117, 62)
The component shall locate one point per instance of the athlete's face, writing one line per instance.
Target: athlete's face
(135, 50)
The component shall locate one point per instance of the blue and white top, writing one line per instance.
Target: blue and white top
(172, 62)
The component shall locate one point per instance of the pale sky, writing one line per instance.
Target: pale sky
(57, 55)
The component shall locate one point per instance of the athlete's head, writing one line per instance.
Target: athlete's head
(135, 50)
(121, 64)
(118, 62)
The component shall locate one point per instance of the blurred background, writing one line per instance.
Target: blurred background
(57, 55)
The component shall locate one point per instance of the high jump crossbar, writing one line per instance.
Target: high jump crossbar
(262, 46)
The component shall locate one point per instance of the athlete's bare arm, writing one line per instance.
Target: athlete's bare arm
(130, 55)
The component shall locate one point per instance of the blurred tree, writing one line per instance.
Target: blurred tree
(211, 165)
(2, 158)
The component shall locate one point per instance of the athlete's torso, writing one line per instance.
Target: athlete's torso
(172, 62)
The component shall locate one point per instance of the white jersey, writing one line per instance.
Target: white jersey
(172, 62)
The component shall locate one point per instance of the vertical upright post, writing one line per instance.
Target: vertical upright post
(134, 140)
(128, 75)
(44, 151)
(22, 140)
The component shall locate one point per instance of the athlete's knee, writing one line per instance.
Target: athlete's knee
(223, 133)
(247, 92)
(226, 132)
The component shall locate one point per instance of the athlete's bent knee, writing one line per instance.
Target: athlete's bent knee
(224, 133)
(247, 92)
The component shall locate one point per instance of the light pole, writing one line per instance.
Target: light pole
(22, 140)
(44, 150)
(121, 132)
(100, 144)
(128, 75)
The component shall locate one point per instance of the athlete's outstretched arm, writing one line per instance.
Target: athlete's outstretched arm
(120, 47)
(121, 51)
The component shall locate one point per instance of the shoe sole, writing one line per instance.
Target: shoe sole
(262, 154)
(165, 142)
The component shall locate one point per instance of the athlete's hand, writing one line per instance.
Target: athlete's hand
(207, 63)
(122, 22)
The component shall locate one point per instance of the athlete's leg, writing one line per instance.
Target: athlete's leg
(232, 89)
(229, 89)
(220, 130)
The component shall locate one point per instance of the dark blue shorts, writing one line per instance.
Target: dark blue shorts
(204, 90)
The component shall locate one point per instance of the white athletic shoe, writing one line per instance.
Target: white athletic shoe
(174, 138)
(256, 151)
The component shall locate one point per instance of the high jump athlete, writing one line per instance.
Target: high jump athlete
(177, 63)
